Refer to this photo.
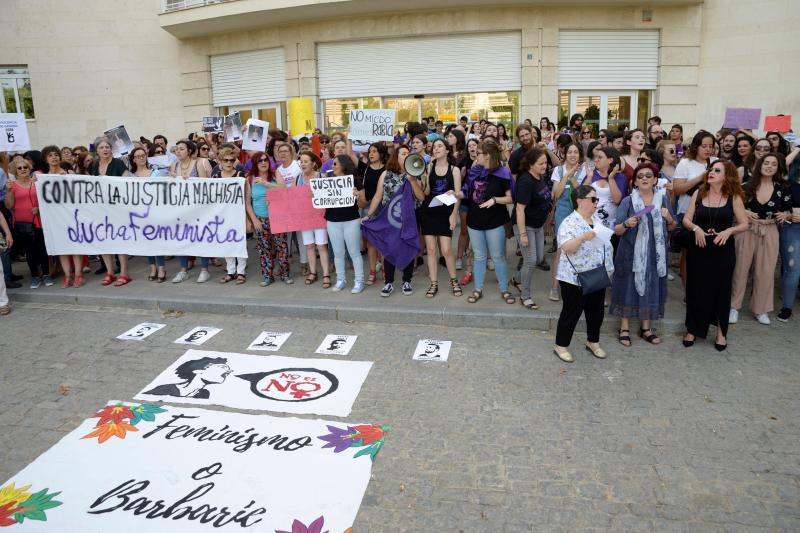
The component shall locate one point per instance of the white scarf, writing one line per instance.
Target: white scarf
(640, 249)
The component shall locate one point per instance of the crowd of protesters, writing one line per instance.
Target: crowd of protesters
(623, 209)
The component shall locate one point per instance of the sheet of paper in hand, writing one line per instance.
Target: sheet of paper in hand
(268, 383)
(432, 350)
(141, 331)
(135, 468)
(337, 344)
(198, 335)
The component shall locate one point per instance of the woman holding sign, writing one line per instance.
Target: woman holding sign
(439, 221)
(107, 165)
(271, 247)
(344, 232)
(70, 264)
(290, 172)
(234, 266)
(315, 240)
(639, 287)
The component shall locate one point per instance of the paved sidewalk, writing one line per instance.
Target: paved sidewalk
(312, 301)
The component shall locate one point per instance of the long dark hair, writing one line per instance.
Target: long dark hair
(697, 140)
(736, 159)
(253, 172)
(777, 179)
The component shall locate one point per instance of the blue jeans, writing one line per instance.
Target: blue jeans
(5, 257)
(491, 242)
(185, 262)
(345, 237)
(790, 263)
(158, 260)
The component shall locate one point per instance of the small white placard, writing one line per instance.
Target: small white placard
(337, 344)
(198, 335)
(255, 137)
(141, 331)
(432, 350)
(370, 125)
(14, 133)
(232, 126)
(120, 141)
(331, 192)
(269, 341)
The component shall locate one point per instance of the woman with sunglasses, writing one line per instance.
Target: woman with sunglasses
(669, 157)
(141, 168)
(316, 240)
(768, 203)
(639, 288)
(715, 214)
(272, 248)
(289, 171)
(587, 133)
(581, 252)
(761, 148)
(235, 267)
(22, 199)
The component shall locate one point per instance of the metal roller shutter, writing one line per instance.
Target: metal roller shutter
(608, 59)
(248, 77)
(420, 65)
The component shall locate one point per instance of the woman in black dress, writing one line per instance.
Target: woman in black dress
(438, 222)
(715, 213)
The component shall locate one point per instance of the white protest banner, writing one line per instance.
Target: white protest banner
(197, 336)
(334, 191)
(255, 137)
(232, 126)
(269, 341)
(370, 125)
(269, 383)
(432, 350)
(141, 467)
(14, 133)
(203, 217)
(212, 124)
(141, 331)
(120, 141)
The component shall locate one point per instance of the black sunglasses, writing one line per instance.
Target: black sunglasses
(229, 160)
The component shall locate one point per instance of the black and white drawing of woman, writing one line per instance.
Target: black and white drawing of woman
(196, 375)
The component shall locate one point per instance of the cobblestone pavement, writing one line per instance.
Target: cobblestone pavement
(502, 437)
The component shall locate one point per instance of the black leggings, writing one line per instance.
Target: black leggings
(35, 251)
(389, 268)
(574, 305)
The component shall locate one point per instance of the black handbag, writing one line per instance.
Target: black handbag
(592, 280)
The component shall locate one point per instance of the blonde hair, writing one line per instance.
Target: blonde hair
(226, 152)
(281, 144)
(489, 146)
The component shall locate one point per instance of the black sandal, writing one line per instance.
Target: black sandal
(326, 282)
(508, 298)
(652, 338)
(474, 297)
(515, 284)
(241, 278)
(432, 290)
(311, 278)
(161, 279)
(624, 338)
(455, 287)
(227, 278)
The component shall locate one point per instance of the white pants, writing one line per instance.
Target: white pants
(315, 236)
(235, 265)
(3, 295)
(300, 246)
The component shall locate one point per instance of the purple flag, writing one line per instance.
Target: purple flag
(394, 230)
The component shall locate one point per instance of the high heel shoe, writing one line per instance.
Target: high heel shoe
(687, 343)
(721, 347)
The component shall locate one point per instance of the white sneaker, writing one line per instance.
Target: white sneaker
(733, 316)
(490, 264)
(203, 277)
(553, 296)
(763, 318)
(387, 290)
(459, 264)
(180, 276)
(407, 289)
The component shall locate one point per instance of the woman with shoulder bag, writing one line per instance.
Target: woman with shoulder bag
(583, 274)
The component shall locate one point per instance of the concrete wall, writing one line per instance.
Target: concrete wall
(95, 64)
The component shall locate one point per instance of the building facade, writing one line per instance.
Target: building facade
(159, 66)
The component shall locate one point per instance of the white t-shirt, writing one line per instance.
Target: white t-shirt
(290, 173)
(558, 173)
(606, 208)
(688, 169)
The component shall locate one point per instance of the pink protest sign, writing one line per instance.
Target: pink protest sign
(779, 123)
(290, 209)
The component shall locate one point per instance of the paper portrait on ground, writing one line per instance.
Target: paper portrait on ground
(261, 382)
(141, 331)
(198, 335)
(337, 344)
(269, 341)
(432, 350)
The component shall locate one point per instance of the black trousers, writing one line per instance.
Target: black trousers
(389, 268)
(574, 305)
(35, 251)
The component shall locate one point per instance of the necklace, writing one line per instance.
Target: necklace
(713, 229)
(185, 169)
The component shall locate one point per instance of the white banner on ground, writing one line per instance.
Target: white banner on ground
(370, 125)
(202, 217)
(269, 383)
(141, 331)
(14, 133)
(141, 467)
(336, 191)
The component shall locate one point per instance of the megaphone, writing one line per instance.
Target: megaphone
(414, 165)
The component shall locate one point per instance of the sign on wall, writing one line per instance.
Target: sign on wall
(143, 467)
(155, 216)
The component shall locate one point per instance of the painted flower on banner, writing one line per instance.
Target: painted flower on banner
(17, 504)
(366, 436)
(118, 420)
(313, 527)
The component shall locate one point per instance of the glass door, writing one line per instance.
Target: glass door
(613, 110)
(268, 112)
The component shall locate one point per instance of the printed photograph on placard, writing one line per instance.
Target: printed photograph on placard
(432, 350)
(255, 137)
(120, 141)
(269, 341)
(232, 126)
(212, 124)
(337, 344)
(141, 331)
(198, 335)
